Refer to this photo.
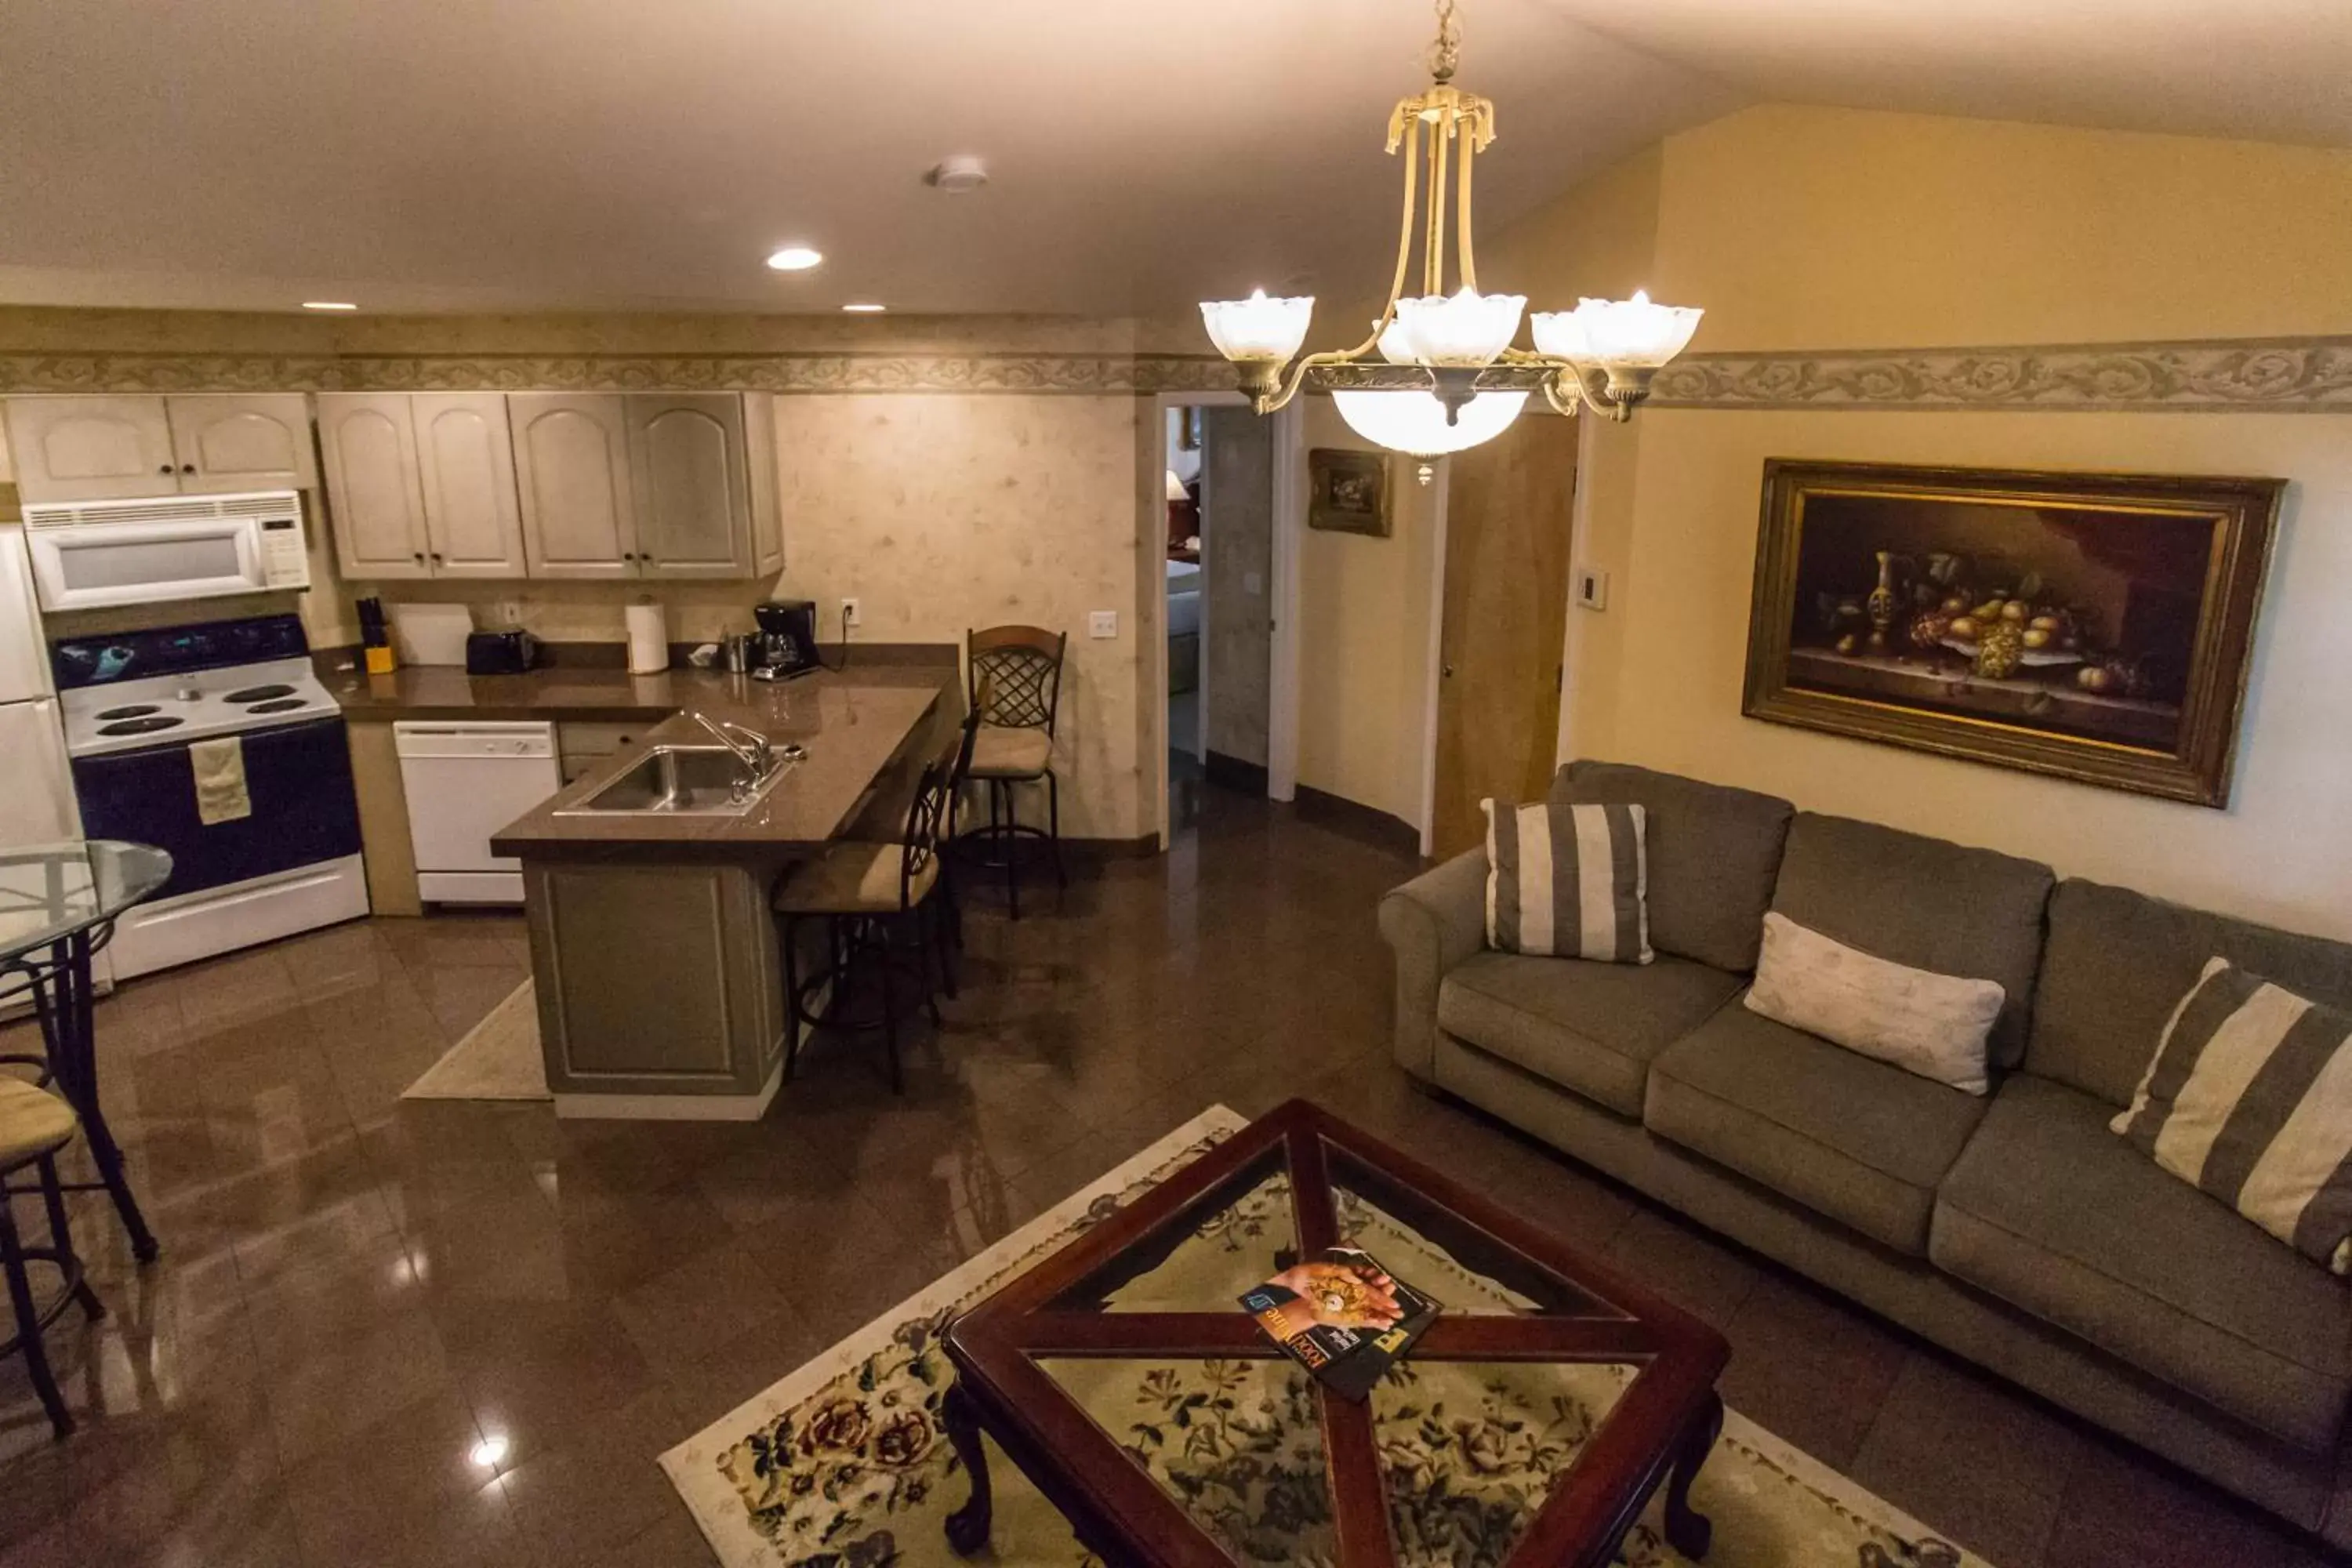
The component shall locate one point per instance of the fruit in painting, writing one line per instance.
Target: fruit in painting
(2001, 650)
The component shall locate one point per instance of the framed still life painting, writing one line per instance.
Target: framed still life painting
(2094, 626)
(1348, 491)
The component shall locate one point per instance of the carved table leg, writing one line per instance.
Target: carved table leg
(968, 1526)
(1687, 1532)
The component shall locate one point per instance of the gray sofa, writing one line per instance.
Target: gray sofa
(2016, 1230)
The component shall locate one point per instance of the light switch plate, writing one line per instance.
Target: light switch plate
(1591, 587)
(1252, 584)
(1102, 623)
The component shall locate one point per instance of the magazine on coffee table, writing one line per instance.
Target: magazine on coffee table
(1341, 1316)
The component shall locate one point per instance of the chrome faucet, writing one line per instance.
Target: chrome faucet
(750, 747)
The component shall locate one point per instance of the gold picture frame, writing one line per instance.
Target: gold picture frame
(1348, 491)
(2098, 627)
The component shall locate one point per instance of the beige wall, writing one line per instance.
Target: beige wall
(1364, 608)
(1804, 229)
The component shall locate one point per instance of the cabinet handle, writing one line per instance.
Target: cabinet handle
(164, 469)
(628, 555)
(436, 558)
(420, 558)
(187, 467)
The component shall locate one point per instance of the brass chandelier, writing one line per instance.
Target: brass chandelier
(1439, 373)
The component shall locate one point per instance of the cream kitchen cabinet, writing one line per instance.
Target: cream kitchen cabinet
(571, 468)
(375, 493)
(465, 462)
(105, 447)
(648, 484)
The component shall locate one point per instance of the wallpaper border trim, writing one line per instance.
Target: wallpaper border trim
(2269, 376)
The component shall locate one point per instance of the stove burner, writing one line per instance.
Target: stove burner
(137, 726)
(276, 705)
(260, 694)
(134, 710)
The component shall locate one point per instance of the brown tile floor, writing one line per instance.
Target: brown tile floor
(454, 1334)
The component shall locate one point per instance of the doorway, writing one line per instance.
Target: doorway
(1509, 529)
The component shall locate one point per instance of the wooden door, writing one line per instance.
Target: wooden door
(1237, 601)
(571, 477)
(1509, 510)
(91, 448)
(686, 454)
(466, 469)
(231, 441)
(372, 492)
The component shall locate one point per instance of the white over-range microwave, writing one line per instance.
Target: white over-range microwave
(90, 555)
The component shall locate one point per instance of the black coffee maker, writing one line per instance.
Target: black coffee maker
(786, 645)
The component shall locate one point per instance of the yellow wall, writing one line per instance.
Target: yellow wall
(1807, 229)
(1363, 642)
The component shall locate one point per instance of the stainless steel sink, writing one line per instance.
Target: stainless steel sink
(681, 780)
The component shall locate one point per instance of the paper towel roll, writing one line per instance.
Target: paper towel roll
(648, 640)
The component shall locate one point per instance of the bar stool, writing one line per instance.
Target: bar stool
(34, 1125)
(1015, 685)
(959, 773)
(872, 898)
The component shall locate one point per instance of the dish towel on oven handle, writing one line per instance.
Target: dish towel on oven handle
(221, 794)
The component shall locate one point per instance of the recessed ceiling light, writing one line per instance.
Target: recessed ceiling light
(489, 1451)
(328, 305)
(865, 308)
(795, 259)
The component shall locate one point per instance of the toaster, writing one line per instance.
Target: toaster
(501, 653)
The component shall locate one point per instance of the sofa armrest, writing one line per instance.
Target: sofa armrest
(1433, 922)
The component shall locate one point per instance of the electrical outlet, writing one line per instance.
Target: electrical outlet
(510, 612)
(1102, 624)
(1592, 588)
(850, 615)
(1252, 584)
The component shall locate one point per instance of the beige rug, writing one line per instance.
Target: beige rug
(498, 1059)
(842, 1463)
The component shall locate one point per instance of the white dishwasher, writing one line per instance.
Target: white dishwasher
(465, 781)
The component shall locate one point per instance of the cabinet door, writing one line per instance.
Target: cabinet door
(372, 492)
(91, 448)
(466, 466)
(571, 471)
(227, 442)
(766, 509)
(685, 453)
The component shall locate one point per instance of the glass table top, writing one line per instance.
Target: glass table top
(48, 891)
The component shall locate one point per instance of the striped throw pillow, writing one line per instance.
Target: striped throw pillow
(1568, 881)
(2249, 1098)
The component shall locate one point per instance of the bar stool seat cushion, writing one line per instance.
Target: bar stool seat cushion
(33, 1122)
(1001, 752)
(854, 879)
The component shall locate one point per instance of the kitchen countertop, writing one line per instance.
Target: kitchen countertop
(585, 694)
(855, 725)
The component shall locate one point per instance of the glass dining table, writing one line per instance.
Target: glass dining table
(59, 903)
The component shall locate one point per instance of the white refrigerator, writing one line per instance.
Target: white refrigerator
(37, 796)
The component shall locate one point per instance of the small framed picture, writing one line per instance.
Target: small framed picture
(1347, 492)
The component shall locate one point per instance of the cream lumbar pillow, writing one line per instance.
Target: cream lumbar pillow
(1568, 881)
(1924, 1022)
(2249, 1099)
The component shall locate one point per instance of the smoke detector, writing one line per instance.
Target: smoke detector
(957, 176)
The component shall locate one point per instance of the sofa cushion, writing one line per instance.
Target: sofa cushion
(1591, 1027)
(2119, 962)
(1925, 903)
(1713, 854)
(2055, 1213)
(1567, 881)
(1862, 1141)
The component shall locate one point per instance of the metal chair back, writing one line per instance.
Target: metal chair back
(925, 815)
(1014, 676)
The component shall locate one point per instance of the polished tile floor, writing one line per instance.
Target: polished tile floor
(455, 1334)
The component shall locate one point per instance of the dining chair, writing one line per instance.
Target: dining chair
(1014, 676)
(881, 912)
(959, 767)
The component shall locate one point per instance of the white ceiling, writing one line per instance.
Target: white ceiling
(615, 154)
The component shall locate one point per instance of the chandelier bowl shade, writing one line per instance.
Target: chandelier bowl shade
(1259, 328)
(1416, 421)
(1461, 329)
(1634, 332)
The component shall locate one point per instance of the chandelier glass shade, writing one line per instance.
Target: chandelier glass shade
(1439, 371)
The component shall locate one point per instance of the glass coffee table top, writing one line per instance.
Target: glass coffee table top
(1455, 1455)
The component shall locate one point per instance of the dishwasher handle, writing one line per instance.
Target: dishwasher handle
(416, 738)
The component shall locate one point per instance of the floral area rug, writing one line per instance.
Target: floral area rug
(843, 1464)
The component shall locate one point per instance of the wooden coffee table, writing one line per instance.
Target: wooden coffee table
(1080, 1368)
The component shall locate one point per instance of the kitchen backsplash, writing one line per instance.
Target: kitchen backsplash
(592, 612)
